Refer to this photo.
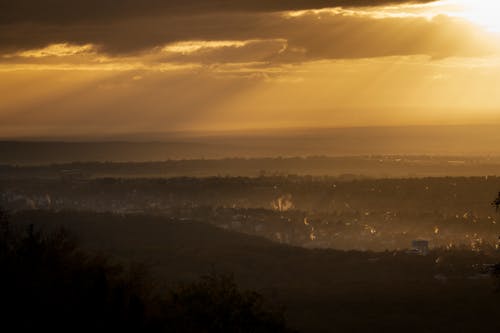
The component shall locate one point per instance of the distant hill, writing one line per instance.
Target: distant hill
(411, 140)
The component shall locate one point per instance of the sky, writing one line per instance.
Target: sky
(102, 67)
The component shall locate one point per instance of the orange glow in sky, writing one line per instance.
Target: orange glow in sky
(482, 12)
(385, 64)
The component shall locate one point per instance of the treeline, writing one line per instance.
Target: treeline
(47, 283)
(346, 167)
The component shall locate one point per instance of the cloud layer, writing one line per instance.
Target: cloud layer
(136, 26)
(68, 12)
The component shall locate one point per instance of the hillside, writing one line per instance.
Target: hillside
(320, 289)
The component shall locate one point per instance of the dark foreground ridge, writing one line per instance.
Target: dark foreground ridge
(322, 290)
(49, 284)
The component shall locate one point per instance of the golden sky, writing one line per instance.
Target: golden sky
(95, 67)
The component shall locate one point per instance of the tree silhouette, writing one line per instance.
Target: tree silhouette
(48, 283)
(215, 304)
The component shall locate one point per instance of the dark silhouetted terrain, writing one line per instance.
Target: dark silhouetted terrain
(322, 290)
(49, 284)
(330, 240)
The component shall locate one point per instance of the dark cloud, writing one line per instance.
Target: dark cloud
(275, 38)
(64, 11)
(131, 28)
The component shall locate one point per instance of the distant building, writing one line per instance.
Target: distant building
(420, 247)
